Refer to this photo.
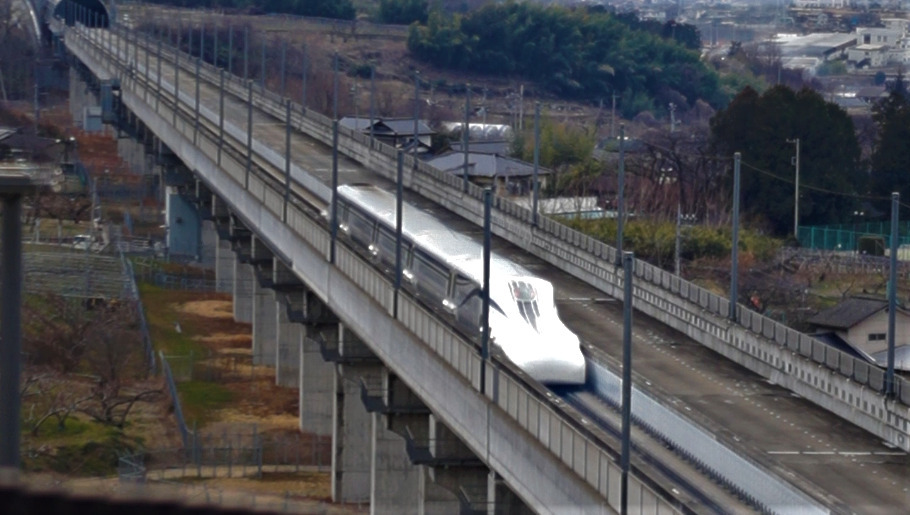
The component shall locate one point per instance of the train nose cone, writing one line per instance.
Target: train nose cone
(556, 371)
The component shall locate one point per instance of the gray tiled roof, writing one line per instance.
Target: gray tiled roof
(848, 313)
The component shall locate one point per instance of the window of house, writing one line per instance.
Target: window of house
(876, 337)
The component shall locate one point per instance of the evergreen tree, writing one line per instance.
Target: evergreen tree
(762, 128)
(891, 153)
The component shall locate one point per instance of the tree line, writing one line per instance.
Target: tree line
(339, 9)
(577, 53)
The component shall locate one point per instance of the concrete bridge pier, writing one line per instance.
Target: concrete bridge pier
(458, 479)
(500, 496)
(224, 255)
(208, 234)
(288, 334)
(316, 373)
(244, 276)
(352, 425)
(85, 103)
(182, 217)
(398, 484)
(264, 312)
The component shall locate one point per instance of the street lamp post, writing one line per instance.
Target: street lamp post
(796, 192)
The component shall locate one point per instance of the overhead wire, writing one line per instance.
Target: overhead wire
(803, 186)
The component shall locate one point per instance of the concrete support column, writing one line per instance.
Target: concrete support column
(395, 483)
(244, 277)
(265, 345)
(502, 499)
(224, 266)
(183, 223)
(352, 435)
(244, 272)
(289, 338)
(208, 244)
(457, 470)
(264, 330)
(433, 497)
(317, 376)
(317, 382)
(224, 255)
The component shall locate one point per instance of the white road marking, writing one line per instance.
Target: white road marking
(838, 453)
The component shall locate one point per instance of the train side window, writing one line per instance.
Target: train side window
(360, 228)
(467, 299)
(385, 243)
(431, 277)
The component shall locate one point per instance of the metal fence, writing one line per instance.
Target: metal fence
(845, 237)
(140, 310)
(244, 453)
(172, 389)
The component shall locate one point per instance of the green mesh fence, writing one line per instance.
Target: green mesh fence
(846, 236)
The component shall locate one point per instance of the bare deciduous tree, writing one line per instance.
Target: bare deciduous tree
(100, 340)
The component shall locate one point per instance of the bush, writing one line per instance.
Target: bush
(655, 241)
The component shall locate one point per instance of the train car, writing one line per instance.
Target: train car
(444, 269)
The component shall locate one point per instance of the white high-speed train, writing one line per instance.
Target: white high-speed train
(445, 270)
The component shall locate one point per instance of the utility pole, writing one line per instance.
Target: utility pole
(795, 163)
(734, 258)
(678, 246)
(890, 390)
(672, 117)
(613, 118)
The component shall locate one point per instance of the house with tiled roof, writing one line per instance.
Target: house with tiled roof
(859, 326)
(506, 175)
(398, 132)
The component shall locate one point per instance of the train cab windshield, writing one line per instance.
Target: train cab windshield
(525, 296)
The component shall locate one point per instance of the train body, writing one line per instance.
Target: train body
(444, 269)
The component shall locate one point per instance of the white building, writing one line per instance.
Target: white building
(868, 56)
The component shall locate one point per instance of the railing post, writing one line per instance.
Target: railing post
(196, 109)
(158, 76)
(249, 133)
(334, 217)
(220, 113)
(177, 78)
(287, 160)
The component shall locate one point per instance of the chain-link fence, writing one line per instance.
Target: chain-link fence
(189, 278)
(845, 237)
(244, 453)
(175, 398)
